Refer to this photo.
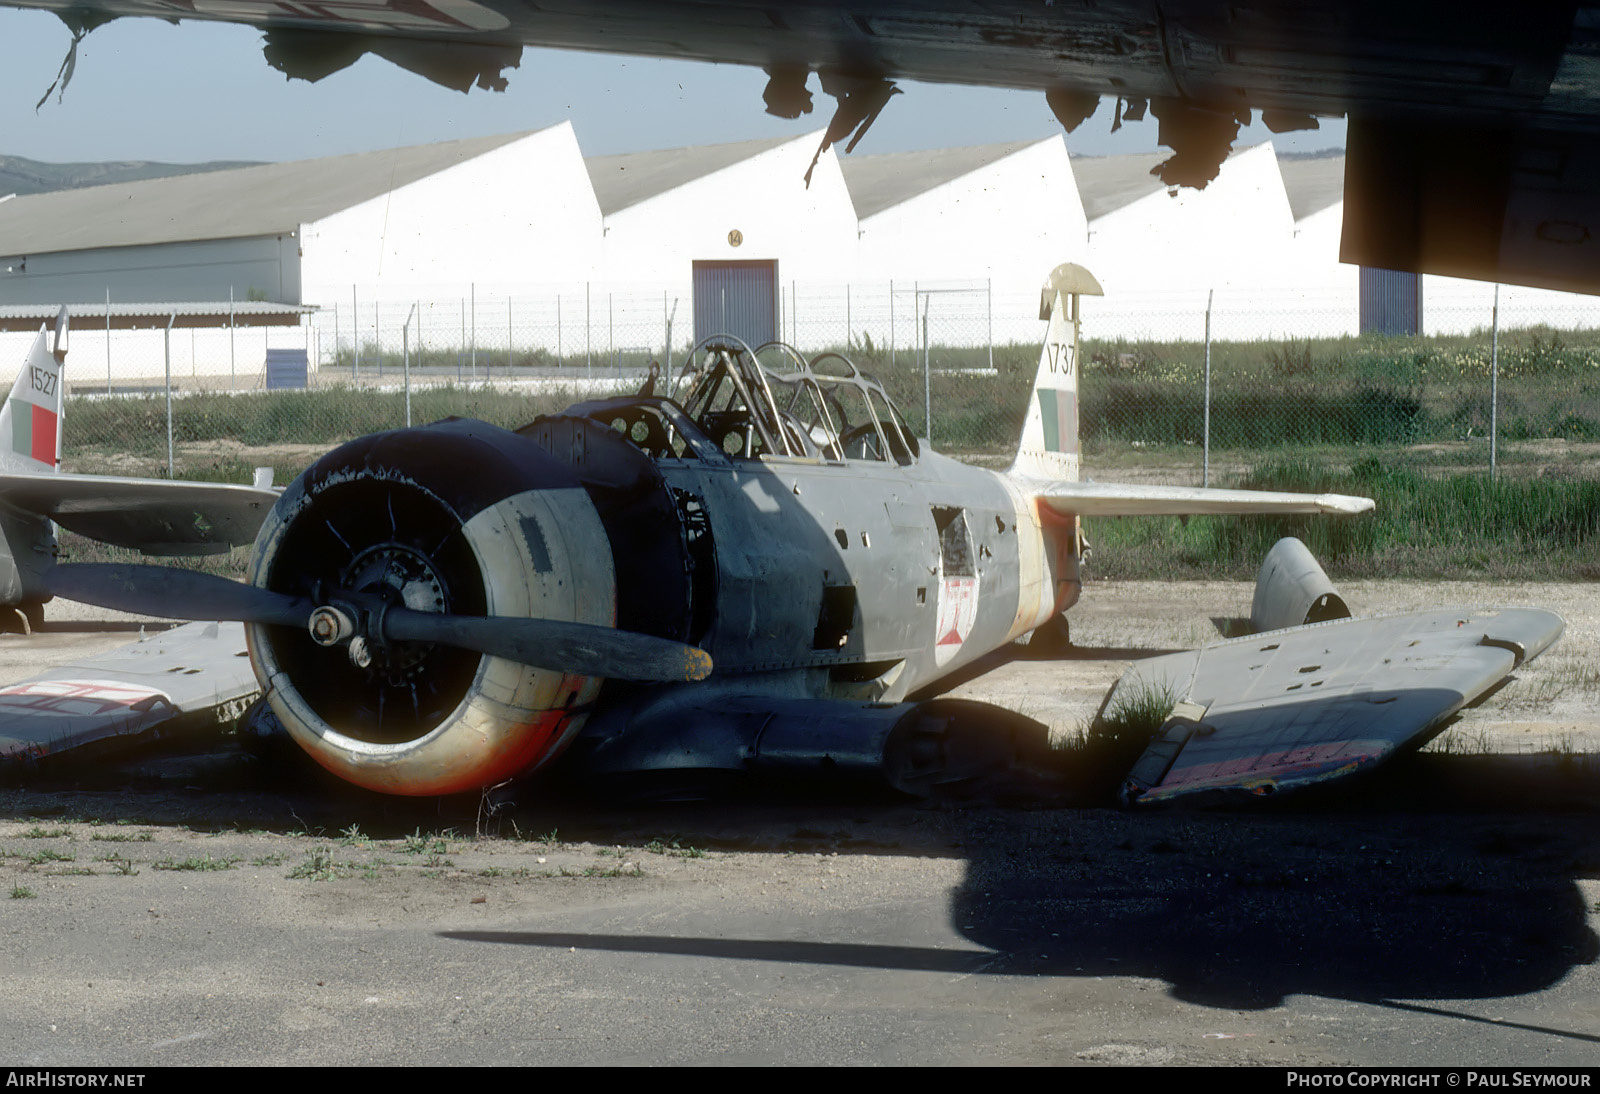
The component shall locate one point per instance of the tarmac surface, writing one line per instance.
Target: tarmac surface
(206, 904)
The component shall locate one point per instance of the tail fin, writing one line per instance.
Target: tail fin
(1049, 446)
(30, 418)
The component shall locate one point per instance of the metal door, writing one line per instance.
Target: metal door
(738, 298)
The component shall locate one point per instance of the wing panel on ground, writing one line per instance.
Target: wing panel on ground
(1284, 709)
(196, 675)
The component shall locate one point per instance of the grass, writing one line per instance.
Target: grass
(1422, 527)
(195, 863)
(22, 892)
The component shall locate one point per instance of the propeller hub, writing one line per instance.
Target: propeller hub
(384, 575)
(329, 626)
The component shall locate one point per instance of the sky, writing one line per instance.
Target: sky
(149, 90)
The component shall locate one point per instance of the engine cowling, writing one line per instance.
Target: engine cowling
(458, 517)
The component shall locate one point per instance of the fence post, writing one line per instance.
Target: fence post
(355, 335)
(108, 339)
(405, 351)
(233, 381)
(588, 352)
(891, 323)
(472, 294)
(988, 297)
(459, 354)
(167, 342)
(1494, 386)
(927, 383)
(1205, 474)
(377, 337)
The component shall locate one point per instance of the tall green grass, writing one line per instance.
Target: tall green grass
(1428, 527)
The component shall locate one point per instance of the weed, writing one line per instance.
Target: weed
(353, 837)
(196, 862)
(21, 892)
(46, 833)
(318, 866)
(267, 860)
(674, 849)
(418, 844)
(46, 855)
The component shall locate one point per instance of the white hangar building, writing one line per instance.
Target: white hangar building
(1159, 251)
(405, 220)
(1006, 212)
(731, 223)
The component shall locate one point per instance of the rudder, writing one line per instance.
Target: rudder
(1049, 445)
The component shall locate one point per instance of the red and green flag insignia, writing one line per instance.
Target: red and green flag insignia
(33, 432)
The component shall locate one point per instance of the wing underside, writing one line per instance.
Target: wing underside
(153, 516)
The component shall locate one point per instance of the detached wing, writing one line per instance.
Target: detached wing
(1096, 499)
(151, 515)
(1286, 709)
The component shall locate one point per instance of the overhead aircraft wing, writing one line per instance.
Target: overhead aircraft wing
(1096, 499)
(1286, 709)
(155, 516)
(1474, 128)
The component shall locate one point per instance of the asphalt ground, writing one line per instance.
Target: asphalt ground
(206, 903)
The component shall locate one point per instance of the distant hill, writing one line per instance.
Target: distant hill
(25, 176)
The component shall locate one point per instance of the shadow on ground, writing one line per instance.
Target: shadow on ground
(1450, 877)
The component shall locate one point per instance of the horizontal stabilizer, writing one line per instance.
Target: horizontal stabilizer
(1106, 499)
(158, 517)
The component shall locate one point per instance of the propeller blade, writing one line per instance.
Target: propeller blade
(564, 647)
(173, 594)
(547, 643)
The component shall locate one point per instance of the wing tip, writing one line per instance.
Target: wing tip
(1344, 503)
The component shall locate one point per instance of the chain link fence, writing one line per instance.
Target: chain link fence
(1175, 387)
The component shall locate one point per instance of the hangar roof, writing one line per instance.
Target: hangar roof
(222, 313)
(271, 199)
(887, 179)
(1313, 182)
(627, 179)
(1107, 183)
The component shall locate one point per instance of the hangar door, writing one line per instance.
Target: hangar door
(739, 298)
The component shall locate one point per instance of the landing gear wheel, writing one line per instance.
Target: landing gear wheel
(1052, 638)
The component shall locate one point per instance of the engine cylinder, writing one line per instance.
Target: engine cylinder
(461, 518)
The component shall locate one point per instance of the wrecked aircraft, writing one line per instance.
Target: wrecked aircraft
(155, 516)
(751, 573)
